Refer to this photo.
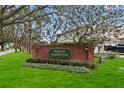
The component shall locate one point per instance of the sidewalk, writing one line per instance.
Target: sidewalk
(6, 52)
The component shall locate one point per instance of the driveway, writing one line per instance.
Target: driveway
(6, 52)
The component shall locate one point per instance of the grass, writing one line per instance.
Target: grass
(13, 74)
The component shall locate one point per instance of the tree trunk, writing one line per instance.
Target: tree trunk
(29, 38)
(80, 39)
(16, 47)
(20, 49)
(99, 48)
(99, 55)
(1, 33)
(2, 47)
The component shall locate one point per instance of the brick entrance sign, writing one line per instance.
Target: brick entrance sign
(66, 52)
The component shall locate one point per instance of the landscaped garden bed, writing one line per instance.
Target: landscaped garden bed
(72, 58)
(58, 64)
(56, 61)
(69, 68)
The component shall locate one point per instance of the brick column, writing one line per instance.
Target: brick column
(91, 54)
(35, 53)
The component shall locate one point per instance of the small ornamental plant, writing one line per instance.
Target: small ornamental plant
(55, 61)
(61, 62)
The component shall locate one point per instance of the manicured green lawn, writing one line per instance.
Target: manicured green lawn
(13, 74)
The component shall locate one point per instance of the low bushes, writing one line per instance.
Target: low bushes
(111, 55)
(75, 69)
(58, 64)
(65, 43)
(56, 61)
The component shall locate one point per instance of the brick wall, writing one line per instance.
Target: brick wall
(79, 53)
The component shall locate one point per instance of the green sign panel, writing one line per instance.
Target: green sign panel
(59, 53)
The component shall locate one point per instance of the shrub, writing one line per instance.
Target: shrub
(75, 69)
(55, 61)
(111, 55)
(65, 43)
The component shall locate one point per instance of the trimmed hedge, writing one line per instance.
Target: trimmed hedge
(56, 61)
(74, 69)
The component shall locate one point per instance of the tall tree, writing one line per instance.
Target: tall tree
(91, 23)
(12, 14)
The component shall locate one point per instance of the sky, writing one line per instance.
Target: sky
(61, 2)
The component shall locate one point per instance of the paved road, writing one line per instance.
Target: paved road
(121, 56)
(6, 52)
